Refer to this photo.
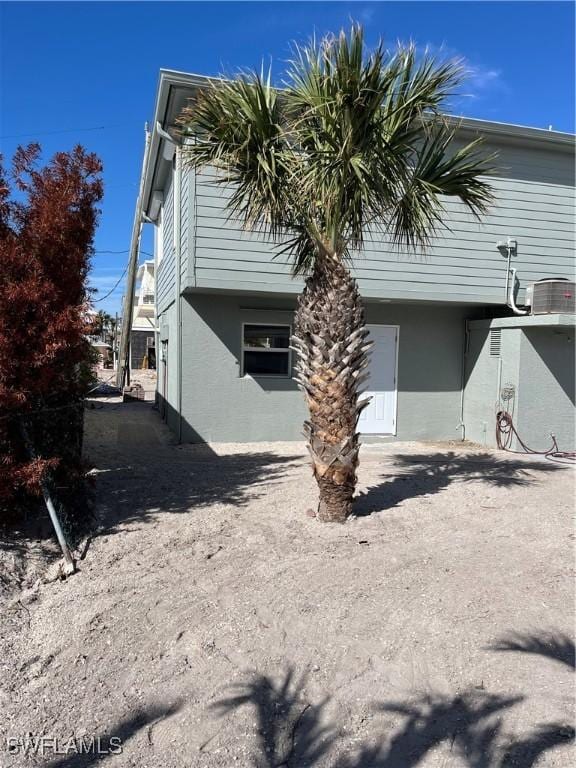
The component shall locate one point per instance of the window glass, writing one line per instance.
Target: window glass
(271, 364)
(267, 336)
(266, 350)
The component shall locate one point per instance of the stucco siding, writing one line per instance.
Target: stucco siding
(429, 368)
(481, 373)
(220, 405)
(546, 404)
(532, 378)
(166, 366)
(487, 375)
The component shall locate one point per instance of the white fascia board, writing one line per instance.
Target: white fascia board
(167, 80)
(512, 131)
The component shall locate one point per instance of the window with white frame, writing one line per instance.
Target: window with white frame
(265, 349)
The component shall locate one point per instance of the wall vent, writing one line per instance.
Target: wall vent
(495, 342)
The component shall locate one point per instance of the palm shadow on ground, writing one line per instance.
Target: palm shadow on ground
(293, 733)
(106, 744)
(416, 475)
(557, 646)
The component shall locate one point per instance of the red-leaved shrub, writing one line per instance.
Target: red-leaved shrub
(47, 221)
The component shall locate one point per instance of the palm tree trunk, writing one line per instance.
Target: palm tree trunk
(330, 339)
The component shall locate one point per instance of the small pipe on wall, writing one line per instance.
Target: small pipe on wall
(511, 301)
(510, 246)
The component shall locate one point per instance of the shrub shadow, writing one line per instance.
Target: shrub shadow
(139, 470)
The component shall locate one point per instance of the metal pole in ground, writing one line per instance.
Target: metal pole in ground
(69, 566)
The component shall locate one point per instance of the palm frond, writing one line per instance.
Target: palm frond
(236, 127)
(440, 171)
(354, 140)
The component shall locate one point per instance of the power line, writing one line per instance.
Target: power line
(144, 253)
(63, 130)
(113, 289)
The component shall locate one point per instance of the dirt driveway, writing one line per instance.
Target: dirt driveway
(214, 624)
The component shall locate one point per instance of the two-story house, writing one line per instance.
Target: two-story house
(455, 338)
(142, 330)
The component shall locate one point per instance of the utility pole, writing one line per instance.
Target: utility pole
(123, 372)
(115, 344)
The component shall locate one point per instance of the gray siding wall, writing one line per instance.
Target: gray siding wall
(166, 278)
(186, 231)
(165, 275)
(534, 205)
(219, 405)
(430, 347)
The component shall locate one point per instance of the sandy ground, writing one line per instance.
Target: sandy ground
(213, 623)
(147, 380)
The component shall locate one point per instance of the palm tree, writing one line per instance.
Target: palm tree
(101, 323)
(353, 145)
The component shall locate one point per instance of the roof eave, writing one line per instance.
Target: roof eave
(170, 78)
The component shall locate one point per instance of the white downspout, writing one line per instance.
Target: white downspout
(511, 245)
(178, 257)
(163, 134)
(511, 302)
(462, 424)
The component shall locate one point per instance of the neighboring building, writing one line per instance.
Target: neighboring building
(101, 338)
(448, 352)
(142, 336)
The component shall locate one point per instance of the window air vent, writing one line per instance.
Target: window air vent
(495, 342)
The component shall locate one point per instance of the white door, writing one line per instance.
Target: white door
(379, 418)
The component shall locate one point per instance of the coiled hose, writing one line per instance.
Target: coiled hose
(506, 431)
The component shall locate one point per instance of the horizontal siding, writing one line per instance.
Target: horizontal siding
(185, 223)
(479, 274)
(526, 223)
(166, 269)
(534, 204)
(226, 234)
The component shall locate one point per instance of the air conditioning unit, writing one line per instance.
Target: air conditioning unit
(553, 295)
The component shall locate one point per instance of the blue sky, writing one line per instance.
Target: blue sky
(87, 72)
